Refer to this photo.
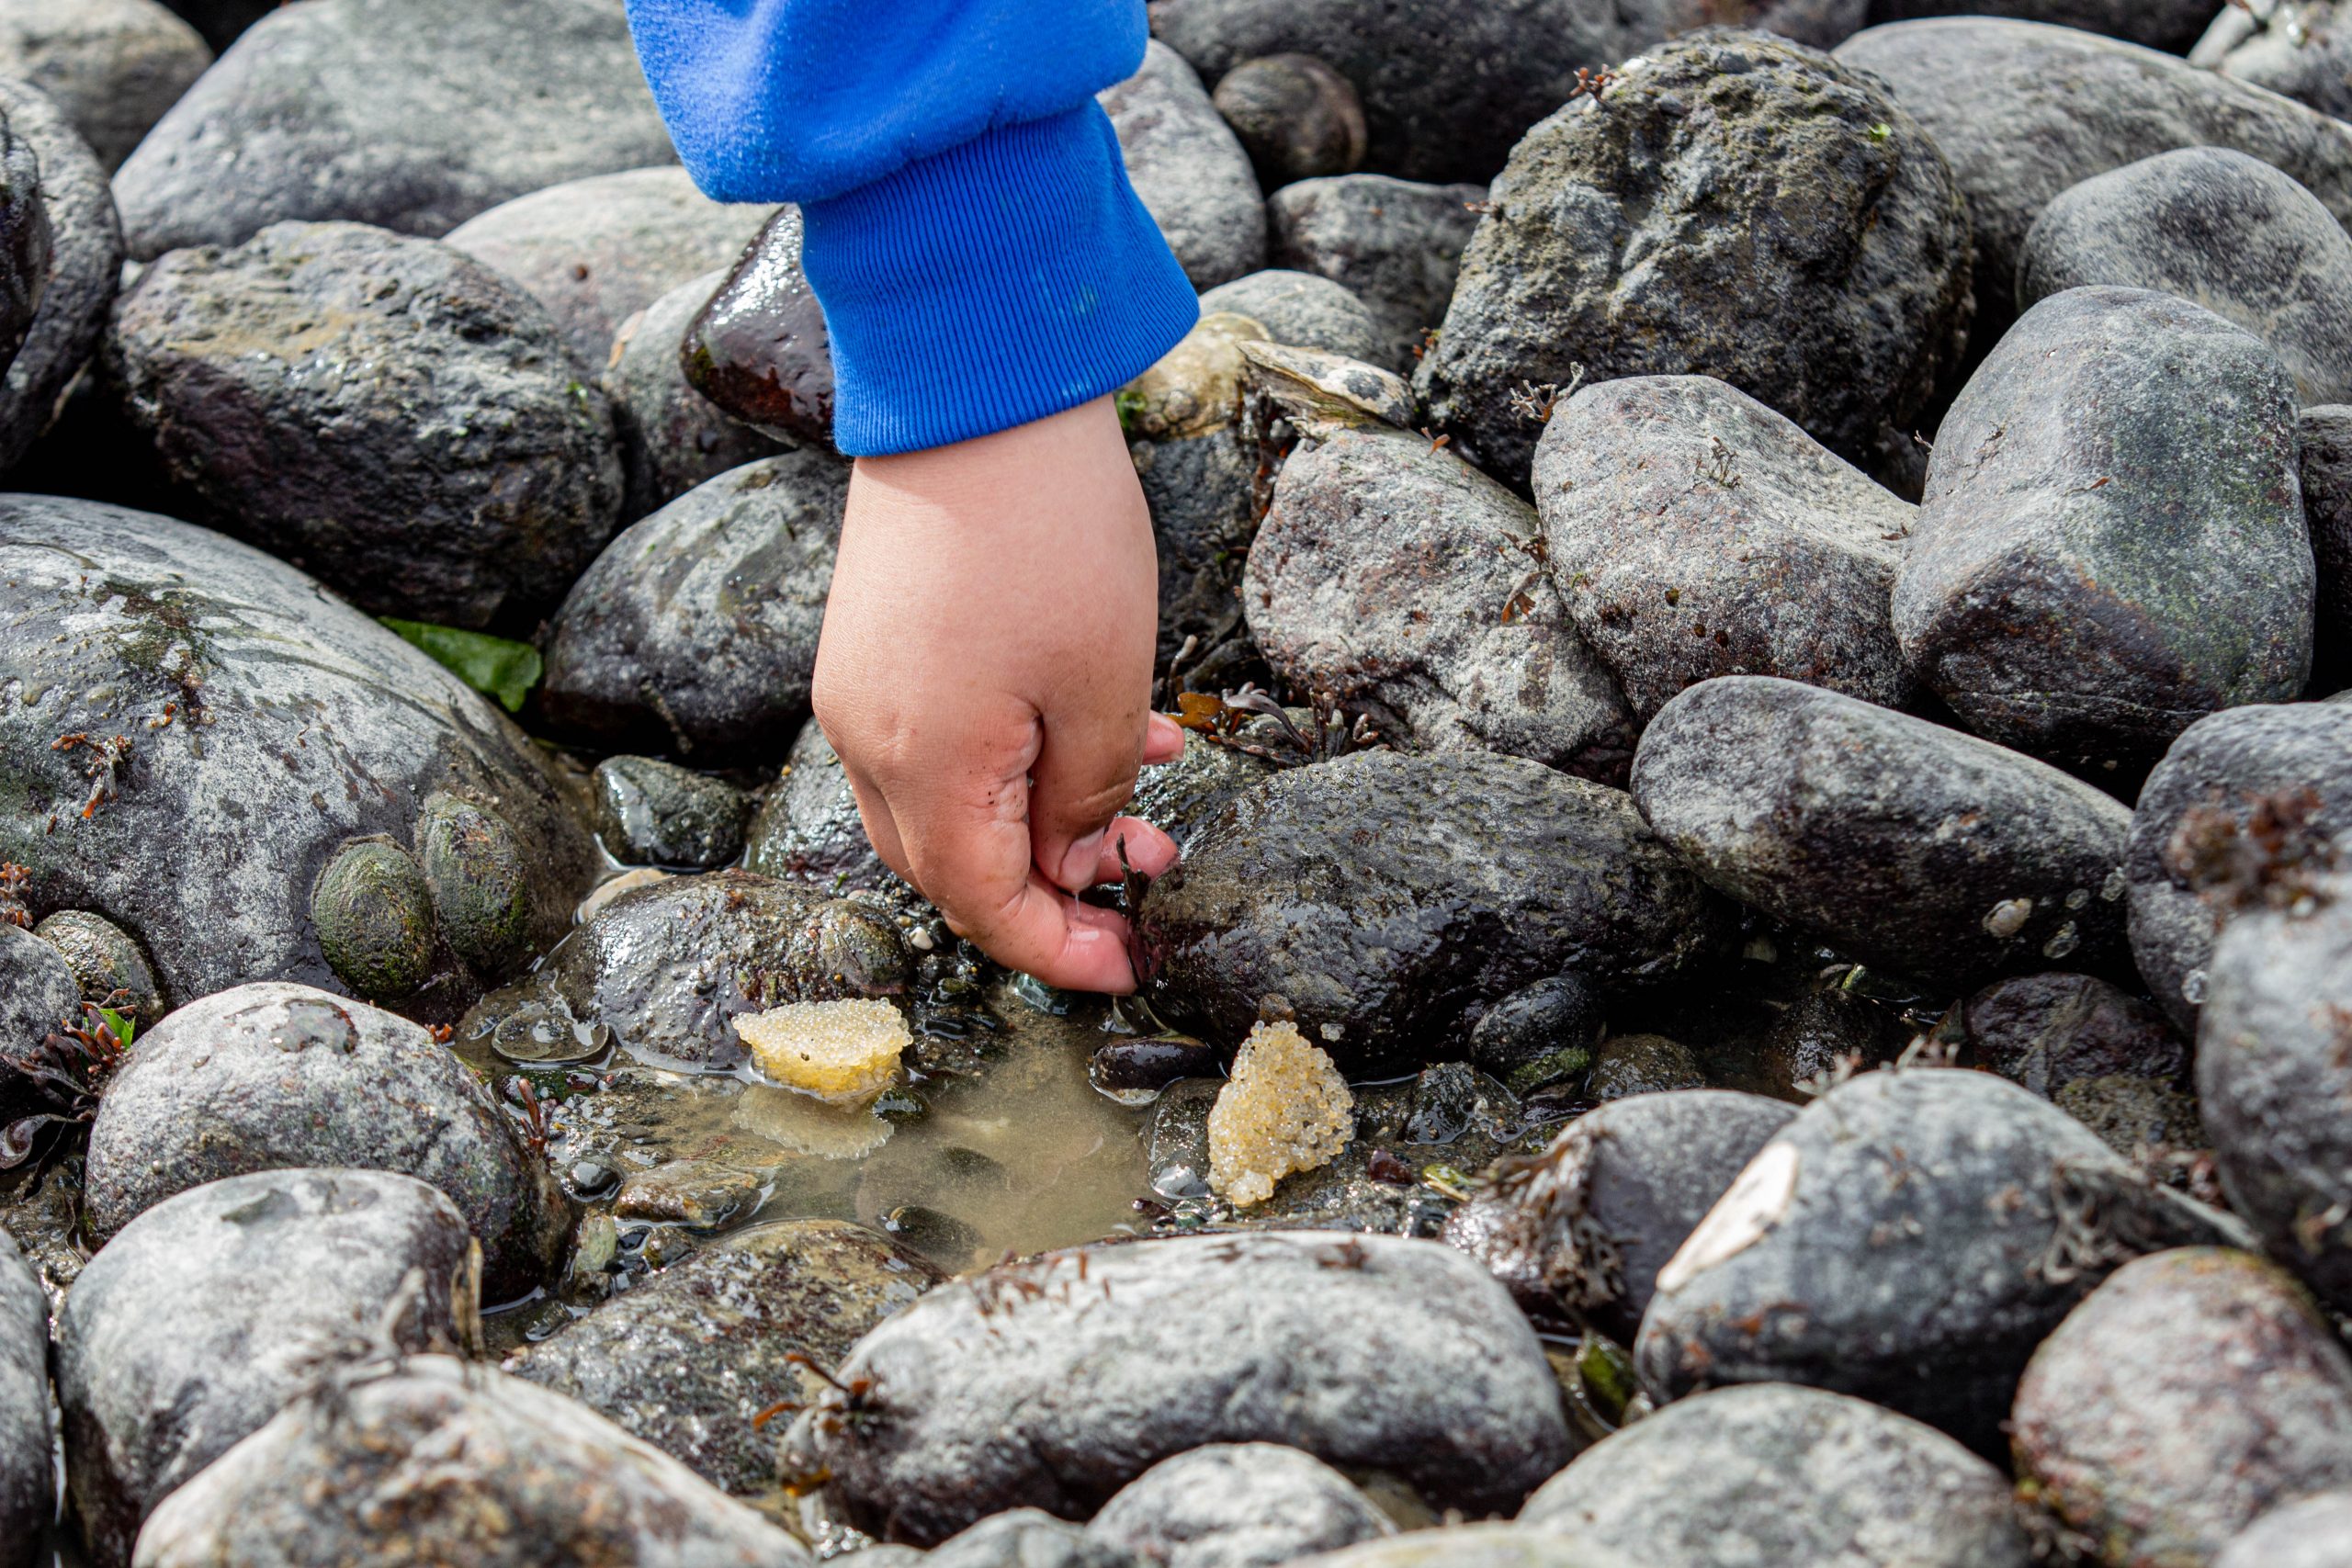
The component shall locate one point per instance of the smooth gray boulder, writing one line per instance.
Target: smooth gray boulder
(1188, 168)
(2309, 1533)
(694, 632)
(671, 437)
(1237, 1505)
(2112, 542)
(27, 1496)
(85, 265)
(1853, 1484)
(1411, 587)
(1734, 206)
(412, 114)
(27, 236)
(273, 1076)
(2300, 49)
(1054, 1381)
(1301, 308)
(1295, 117)
(1696, 533)
(1911, 846)
(2192, 1393)
(218, 1307)
(518, 1477)
(1397, 243)
(2169, 25)
(1019, 1538)
(111, 67)
(808, 828)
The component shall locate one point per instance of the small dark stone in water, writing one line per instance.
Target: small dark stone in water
(651, 813)
(1452, 1100)
(941, 1237)
(1127, 1067)
(1643, 1064)
(590, 1176)
(1550, 1017)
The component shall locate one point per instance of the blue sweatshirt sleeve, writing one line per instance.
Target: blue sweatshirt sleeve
(969, 228)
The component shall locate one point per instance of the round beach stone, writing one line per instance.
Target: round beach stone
(27, 236)
(40, 988)
(85, 265)
(2299, 48)
(1188, 168)
(374, 915)
(112, 66)
(656, 813)
(808, 828)
(1300, 308)
(479, 873)
(104, 959)
(27, 1496)
(2046, 1032)
(2310, 1533)
(1297, 117)
(1396, 244)
(1471, 1546)
(759, 351)
(1237, 1505)
(671, 437)
(2169, 25)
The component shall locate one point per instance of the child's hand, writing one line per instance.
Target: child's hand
(986, 676)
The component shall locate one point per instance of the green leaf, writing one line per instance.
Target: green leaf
(119, 1022)
(506, 670)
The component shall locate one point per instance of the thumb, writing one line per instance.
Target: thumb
(1084, 774)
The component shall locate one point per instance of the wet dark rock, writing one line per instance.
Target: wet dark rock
(2136, 1117)
(111, 67)
(759, 351)
(808, 828)
(698, 1193)
(27, 1487)
(1185, 798)
(2300, 49)
(1410, 586)
(2045, 1032)
(1143, 1067)
(1541, 1030)
(2224, 764)
(2024, 111)
(598, 250)
(1003, 1390)
(667, 968)
(1697, 533)
(385, 412)
(1826, 1025)
(374, 915)
(1237, 1505)
(1188, 168)
(1632, 1065)
(407, 115)
(2326, 438)
(1295, 117)
(1850, 1483)
(695, 631)
(1908, 1238)
(521, 1477)
(275, 1077)
(1579, 1232)
(672, 438)
(1396, 244)
(1912, 846)
(1736, 206)
(2221, 230)
(2189, 1394)
(1391, 898)
(1024, 1538)
(653, 813)
(104, 959)
(689, 1358)
(217, 1307)
(2309, 1533)
(27, 239)
(84, 265)
(1300, 308)
(267, 725)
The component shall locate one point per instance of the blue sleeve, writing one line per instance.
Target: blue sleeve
(969, 228)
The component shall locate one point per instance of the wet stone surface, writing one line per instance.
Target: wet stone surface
(655, 813)
(1237, 1505)
(85, 265)
(25, 1478)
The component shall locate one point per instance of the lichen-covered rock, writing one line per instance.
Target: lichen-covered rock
(273, 1076)
(2190, 1393)
(1579, 1232)
(112, 66)
(1056, 1381)
(808, 828)
(1295, 117)
(85, 265)
(400, 112)
(1284, 1110)
(26, 1488)
(672, 438)
(264, 724)
(759, 350)
(1908, 1240)
(596, 251)
(104, 959)
(1396, 244)
(1849, 1482)
(1391, 899)
(655, 813)
(2045, 1032)
(1734, 206)
(373, 912)
(1411, 587)
(1914, 846)
(438, 1462)
(25, 240)
(1298, 308)
(2224, 764)
(1696, 533)
(690, 1358)
(1188, 168)
(1237, 1505)
(2299, 48)
(2310, 1533)
(385, 412)
(695, 631)
(216, 1308)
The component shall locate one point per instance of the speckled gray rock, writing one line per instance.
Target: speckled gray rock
(689, 1358)
(807, 828)
(1189, 169)
(27, 1497)
(672, 438)
(1411, 586)
(1397, 243)
(1299, 307)
(2309, 1533)
(2326, 437)
(2300, 49)
(1908, 1240)
(216, 1308)
(2023, 111)
(1037, 1384)
(273, 1076)
(2190, 1393)
(1584, 1227)
(759, 350)
(1697, 533)
(695, 631)
(520, 1477)
(1237, 1505)
(104, 959)
(1911, 846)
(113, 66)
(382, 411)
(85, 262)
(1390, 900)
(1735, 207)
(25, 240)
(2169, 25)
(596, 251)
(39, 989)
(2220, 230)
(1022, 1538)
(1851, 1483)
(655, 813)
(1472, 1546)
(1185, 798)
(2224, 764)
(1295, 117)
(2046, 1032)
(400, 112)
(268, 723)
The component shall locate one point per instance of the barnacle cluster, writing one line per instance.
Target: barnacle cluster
(1286, 1109)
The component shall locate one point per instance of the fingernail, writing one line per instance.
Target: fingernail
(1080, 860)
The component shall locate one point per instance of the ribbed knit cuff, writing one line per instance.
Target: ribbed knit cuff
(1000, 281)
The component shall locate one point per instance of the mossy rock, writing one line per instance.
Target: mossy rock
(373, 913)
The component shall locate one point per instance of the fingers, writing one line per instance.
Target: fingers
(1163, 739)
(1150, 850)
(1084, 772)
